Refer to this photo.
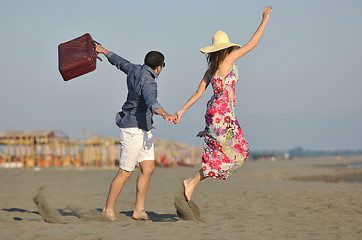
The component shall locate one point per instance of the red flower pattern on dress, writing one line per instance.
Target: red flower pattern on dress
(212, 111)
(218, 85)
(224, 140)
(225, 159)
(222, 107)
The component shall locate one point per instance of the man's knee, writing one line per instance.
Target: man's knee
(148, 167)
(152, 168)
(124, 174)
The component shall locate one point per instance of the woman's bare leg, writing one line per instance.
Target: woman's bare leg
(191, 183)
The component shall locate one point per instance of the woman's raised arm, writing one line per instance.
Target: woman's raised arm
(238, 53)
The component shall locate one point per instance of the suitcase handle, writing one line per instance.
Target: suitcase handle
(95, 52)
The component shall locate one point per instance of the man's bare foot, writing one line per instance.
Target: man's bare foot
(141, 215)
(109, 215)
(188, 189)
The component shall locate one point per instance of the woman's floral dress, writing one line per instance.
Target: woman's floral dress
(225, 148)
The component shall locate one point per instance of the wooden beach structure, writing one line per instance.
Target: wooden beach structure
(100, 151)
(53, 148)
(31, 148)
(171, 153)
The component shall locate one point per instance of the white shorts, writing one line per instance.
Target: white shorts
(136, 146)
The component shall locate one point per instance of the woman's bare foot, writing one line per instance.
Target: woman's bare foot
(189, 188)
(109, 214)
(140, 215)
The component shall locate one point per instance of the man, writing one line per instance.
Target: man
(135, 123)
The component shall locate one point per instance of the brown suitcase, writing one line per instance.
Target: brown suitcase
(77, 57)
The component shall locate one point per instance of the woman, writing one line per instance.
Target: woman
(225, 148)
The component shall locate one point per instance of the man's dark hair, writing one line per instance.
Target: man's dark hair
(154, 59)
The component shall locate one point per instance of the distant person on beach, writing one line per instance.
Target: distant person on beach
(225, 148)
(135, 123)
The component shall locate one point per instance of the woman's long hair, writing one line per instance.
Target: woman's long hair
(215, 58)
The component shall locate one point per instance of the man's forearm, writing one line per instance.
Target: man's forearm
(165, 115)
(161, 112)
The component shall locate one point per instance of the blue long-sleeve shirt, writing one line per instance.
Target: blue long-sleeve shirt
(141, 101)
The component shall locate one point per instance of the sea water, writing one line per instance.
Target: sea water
(357, 165)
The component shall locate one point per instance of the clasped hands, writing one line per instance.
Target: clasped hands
(174, 119)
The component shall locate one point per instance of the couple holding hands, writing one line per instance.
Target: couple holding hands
(225, 148)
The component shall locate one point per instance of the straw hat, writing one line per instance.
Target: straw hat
(220, 40)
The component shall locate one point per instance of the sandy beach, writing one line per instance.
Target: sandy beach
(287, 199)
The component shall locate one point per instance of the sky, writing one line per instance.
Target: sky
(300, 87)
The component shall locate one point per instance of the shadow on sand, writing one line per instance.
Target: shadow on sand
(155, 217)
